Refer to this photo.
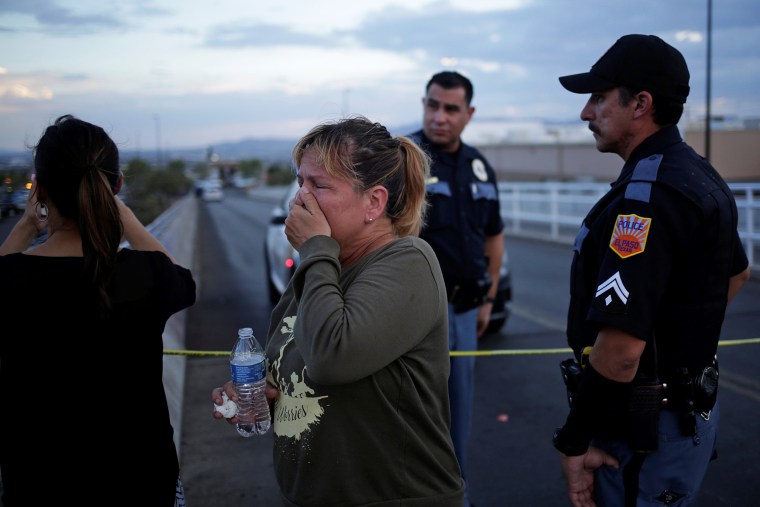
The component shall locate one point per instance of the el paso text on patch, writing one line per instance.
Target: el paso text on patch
(629, 237)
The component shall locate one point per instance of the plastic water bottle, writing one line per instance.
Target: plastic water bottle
(248, 367)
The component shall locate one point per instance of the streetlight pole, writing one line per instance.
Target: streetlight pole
(345, 107)
(158, 140)
(557, 135)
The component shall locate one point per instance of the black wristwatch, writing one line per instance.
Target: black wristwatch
(489, 300)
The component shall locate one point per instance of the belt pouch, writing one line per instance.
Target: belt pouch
(644, 408)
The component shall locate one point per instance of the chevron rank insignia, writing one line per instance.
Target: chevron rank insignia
(612, 295)
(630, 235)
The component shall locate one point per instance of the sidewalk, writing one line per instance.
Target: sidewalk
(218, 451)
(218, 466)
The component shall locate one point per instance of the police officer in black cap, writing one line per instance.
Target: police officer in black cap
(655, 263)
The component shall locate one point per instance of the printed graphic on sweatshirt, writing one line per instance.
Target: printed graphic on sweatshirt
(296, 410)
(630, 235)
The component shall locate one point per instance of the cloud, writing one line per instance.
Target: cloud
(262, 36)
(52, 15)
(221, 69)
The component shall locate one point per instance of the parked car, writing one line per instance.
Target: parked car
(503, 300)
(280, 258)
(281, 261)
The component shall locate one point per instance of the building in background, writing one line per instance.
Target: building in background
(566, 152)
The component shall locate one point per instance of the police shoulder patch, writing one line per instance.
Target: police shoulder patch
(629, 236)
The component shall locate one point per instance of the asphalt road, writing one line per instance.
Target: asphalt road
(519, 398)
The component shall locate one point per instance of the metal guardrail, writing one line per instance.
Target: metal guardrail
(554, 211)
(162, 226)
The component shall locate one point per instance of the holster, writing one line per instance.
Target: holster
(571, 375)
(469, 295)
(706, 388)
(692, 395)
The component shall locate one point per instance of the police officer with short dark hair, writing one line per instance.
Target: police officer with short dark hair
(465, 229)
(655, 263)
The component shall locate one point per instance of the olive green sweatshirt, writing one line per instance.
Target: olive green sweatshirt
(361, 359)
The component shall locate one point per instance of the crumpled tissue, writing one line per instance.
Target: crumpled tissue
(228, 408)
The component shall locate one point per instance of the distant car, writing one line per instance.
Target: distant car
(6, 204)
(20, 197)
(281, 261)
(212, 192)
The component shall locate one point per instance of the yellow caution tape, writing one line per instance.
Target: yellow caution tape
(738, 342)
(196, 353)
(455, 353)
(516, 352)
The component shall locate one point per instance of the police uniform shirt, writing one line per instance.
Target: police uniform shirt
(463, 210)
(654, 256)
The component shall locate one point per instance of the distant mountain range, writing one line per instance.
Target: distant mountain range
(266, 150)
(480, 131)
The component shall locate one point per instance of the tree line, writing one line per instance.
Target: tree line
(151, 190)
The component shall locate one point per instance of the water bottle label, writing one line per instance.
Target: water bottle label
(248, 373)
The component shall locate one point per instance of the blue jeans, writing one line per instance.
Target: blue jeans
(462, 336)
(677, 468)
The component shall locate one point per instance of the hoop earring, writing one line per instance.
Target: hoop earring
(41, 211)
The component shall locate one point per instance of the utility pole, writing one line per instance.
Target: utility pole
(708, 114)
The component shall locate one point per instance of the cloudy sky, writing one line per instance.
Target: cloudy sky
(187, 73)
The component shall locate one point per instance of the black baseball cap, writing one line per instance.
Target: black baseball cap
(638, 61)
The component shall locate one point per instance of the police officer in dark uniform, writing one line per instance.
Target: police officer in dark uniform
(655, 263)
(465, 229)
